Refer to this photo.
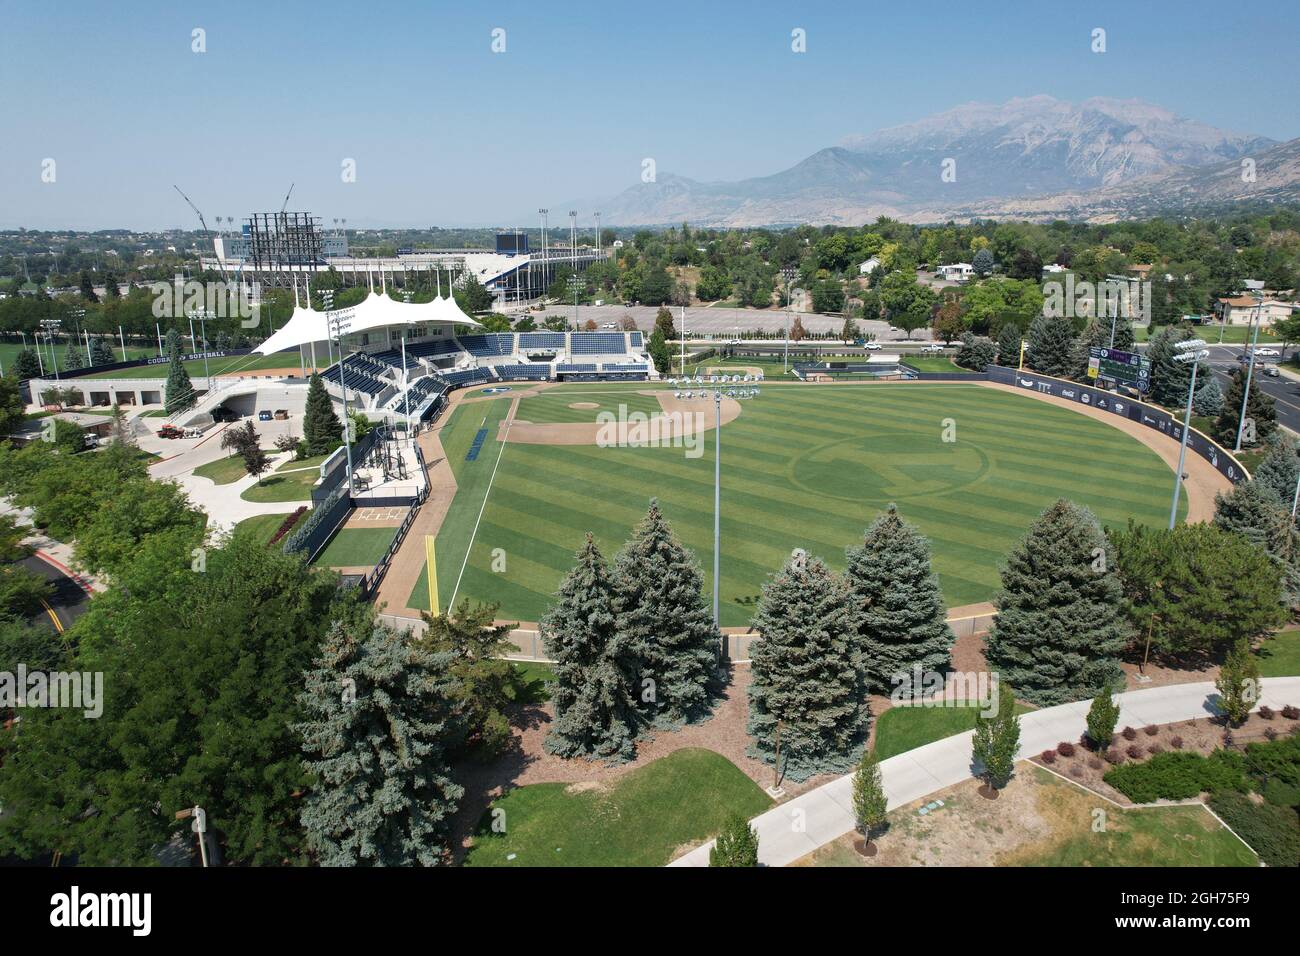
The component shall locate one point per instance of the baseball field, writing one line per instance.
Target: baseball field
(802, 467)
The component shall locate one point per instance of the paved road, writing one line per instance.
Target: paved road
(798, 827)
(67, 601)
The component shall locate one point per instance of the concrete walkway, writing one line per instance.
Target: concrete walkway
(796, 828)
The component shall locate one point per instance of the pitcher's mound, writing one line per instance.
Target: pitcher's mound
(584, 405)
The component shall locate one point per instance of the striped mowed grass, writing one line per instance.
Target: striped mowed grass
(802, 467)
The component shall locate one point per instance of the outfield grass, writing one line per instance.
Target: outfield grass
(218, 366)
(356, 547)
(901, 729)
(1279, 656)
(639, 820)
(806, 467)
(933, 363)
(9, 352)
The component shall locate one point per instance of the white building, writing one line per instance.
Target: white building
(870, 266)
(956, 272)
(1241, 310)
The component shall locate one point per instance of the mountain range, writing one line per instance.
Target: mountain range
(1036, 157)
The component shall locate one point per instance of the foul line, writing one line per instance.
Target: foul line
(486, 495)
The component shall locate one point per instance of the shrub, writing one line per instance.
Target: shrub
(1065, 748)
(1291, 712)
(1094, 763)
(1128, 733)
(1269, 830)
(1179, 776)
(1155, 749)
(1267, 712)
(1270, 733)
(287, 524)
(1135, 752)
(1076, 770)
(1048, 756)
(1176, 742)
(1151, 730)
(1085, 741)
(1113, 756)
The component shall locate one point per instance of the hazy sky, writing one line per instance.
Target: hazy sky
(444, 131)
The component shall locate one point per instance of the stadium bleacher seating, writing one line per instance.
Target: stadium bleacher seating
(541, 340)
(482, 346)
(468, 376)
(564, 367)
(393, 358)
(433, 347)
(539, 372)
(597, 343)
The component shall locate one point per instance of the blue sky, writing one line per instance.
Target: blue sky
(444, 131)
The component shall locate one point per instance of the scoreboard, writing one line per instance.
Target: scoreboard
(1127, 368)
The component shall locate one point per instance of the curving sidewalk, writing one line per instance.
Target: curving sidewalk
(797, 827)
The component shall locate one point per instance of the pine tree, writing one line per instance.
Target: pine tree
(73, 356)
(736, 845)
(595, 714)
(805, 678)
(870, 805)
(121, 434)
(1208, 400)
(377, 711)
(1280, 468)
(1059, 630)
(667, 625)
(1103, 715)
(1170, 379)
(1253, 510)
(321, 428)
(26, 364)
(1238, 683)
(899, 611)
(997, 739)
(1261, 414)
(976, 352)
(1051, 345)
(178, 391)
(1009, 345)
(101, 351)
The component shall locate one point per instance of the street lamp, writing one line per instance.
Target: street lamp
(199, 824)
(1250, 371)
(717, 506)
(1192, 351)
(788, 273)
(203, 334)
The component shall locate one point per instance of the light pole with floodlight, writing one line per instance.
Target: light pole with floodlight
(1250, 372)
(1193, 351)
(717, 506)
(334, 325)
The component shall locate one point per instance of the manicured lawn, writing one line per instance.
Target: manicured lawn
(356, 547)
(9, 352)
(639, 820)
(932, 363)
(294, 464)
(901, 729)
(224, 470)
(1279, 656)
(294, 486)
(803, 467)
(534, 678)
(262, 527)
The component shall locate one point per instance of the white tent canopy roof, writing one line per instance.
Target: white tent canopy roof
(373, 312)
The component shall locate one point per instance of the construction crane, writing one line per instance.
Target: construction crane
(206, 231)
(286, 198)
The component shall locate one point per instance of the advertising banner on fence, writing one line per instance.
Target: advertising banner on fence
(1148, 415)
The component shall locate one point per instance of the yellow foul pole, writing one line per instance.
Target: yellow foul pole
(432, 563)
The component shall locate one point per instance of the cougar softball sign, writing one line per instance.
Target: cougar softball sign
(1127, 368)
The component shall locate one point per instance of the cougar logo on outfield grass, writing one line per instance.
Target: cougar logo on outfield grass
(891, 467)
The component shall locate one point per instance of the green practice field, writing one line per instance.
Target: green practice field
(218, 366)
(803, 466)
(356, 547)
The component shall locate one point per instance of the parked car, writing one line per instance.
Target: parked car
(872, 346)
(1271, 371)
(170, 431)
(1266, 351)
(264, 415)
(282, 414)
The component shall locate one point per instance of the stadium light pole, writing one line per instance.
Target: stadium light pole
(789, 274)
(334, 325)
(1250, 372)
(1193, 351)
(717, 504)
